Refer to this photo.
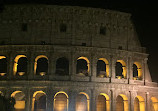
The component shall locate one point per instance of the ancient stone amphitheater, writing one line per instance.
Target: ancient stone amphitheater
(69, 58)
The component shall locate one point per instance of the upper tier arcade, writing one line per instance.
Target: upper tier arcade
(67, 25)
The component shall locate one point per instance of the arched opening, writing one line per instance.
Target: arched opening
(61, 101)
(103, 103)
(154, 104)
(102, 68)
(62, 67)
(120, 69)
(137, 71)
(139, 104)
(39, 101)
(82, 67)
(19, 97)
(41, 65)
(3, 66)
(121, 103)
(82, 102)
(1, 94)
(20, 65)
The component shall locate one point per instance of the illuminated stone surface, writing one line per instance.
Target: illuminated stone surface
(74, 33)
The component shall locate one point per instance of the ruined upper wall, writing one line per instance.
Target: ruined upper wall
(41, 24)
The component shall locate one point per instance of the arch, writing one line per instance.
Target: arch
(3, 65)
(121, 103)
(19, 97)
(43, 62)
(103, 103)
(2, 57)
(16, 63)
(22, 66)
(61, 101)
(39, 101)
(121, 70)
(139, 104)
(102, 67)
(1, 93)
(82, 102)
(62, 66)
(84, 70)
(135, 72)
(154, 104)
(139, 71)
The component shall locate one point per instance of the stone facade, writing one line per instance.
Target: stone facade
(75, 33)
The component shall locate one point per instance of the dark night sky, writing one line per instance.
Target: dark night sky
(144, 16)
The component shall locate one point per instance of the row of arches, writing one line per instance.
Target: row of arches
(41, 63)
(82, 102)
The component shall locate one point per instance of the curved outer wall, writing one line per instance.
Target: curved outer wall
(34, 30)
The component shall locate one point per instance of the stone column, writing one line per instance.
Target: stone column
(10, 63)
(93, 69)
(72, 101)
(132, 98)
(51, 67)
(28, 100)
(32, 99)
(113, 76)
(147, 102)
(143, 70)
(8, 92)
(130, 68)
(70, 65)
(93, 100)
(113, 101)
(49, 100)
(110, 67)
(90, 67)
(74, 62)
(130, 102)
(31, 65)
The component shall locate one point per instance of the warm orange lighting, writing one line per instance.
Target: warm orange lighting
(34, 98)
(122, 103)
(21, 73)
(139, 70)
(135, 78)
(36, 59)
(19, 100)
(154, 104)
(139, 104)
(61, 101)
(82, 102)
(2, 74)
(1, 93)
(42, 73)
(16, 63)
(19, 105)
(119, 77)
(107, 66)
(88, 63)
(2, 57)
(103, 103)
(124, 73)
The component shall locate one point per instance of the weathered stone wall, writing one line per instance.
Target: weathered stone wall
(83, 26)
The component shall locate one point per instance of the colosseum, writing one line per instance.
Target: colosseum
(71, 58)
